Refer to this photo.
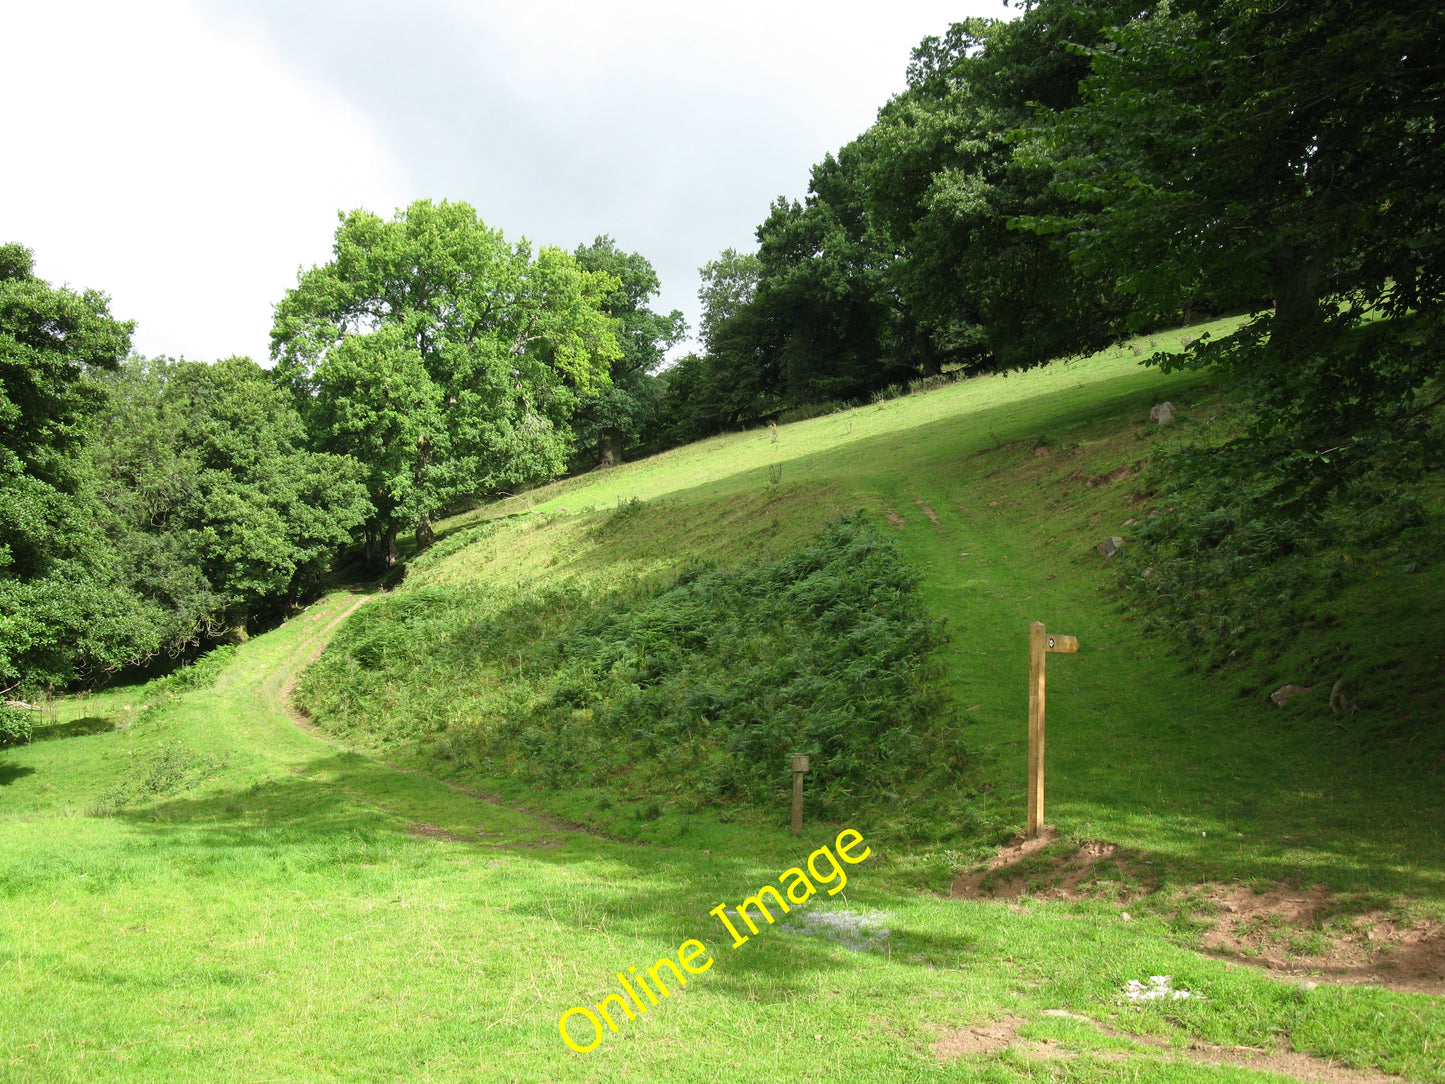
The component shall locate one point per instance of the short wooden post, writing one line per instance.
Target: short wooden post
(1040, 644)
(800, 765)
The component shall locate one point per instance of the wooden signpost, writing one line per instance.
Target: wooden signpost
(800, 766)
(1040, 644)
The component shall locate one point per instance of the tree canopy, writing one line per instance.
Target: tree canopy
(1048, 183)
(622, 409)
(444, 359)
(217, 509)
(902, 259)
(144, 505)
(58, 614)
(1282, 158)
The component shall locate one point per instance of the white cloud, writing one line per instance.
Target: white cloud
(186, 156)
(182, 171)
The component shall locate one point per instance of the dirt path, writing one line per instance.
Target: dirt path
(275, 689)
(996, 1036)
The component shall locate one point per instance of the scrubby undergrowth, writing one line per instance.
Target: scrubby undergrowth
(696, 693)
(1334, 593)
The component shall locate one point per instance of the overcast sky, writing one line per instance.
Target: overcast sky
(187, 157)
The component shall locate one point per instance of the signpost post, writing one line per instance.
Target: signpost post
(1040, 644)
(800, 765)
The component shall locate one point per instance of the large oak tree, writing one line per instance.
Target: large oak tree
(448, 361)
(1284, 156)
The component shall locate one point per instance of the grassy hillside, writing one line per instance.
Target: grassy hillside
(195, 887)
(998, 490)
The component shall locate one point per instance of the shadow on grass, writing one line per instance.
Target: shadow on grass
(91, 724)
(11, 772)
(659, 896)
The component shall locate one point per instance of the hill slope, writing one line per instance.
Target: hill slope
(999, 490)
(210, 892)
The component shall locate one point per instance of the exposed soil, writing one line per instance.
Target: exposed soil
(929, 512)
(988, 1038)
(1296, 933)
(996, 1036)
(432, 831)
(1118, 474)
(1093, 870)
(1292, 931)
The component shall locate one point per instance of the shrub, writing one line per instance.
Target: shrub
(805, 411)
(930, 383)
(699, 689)
(200, 674)
(15, 726)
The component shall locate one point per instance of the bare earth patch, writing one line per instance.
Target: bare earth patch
(1094, 869)
(929, 512)
(987, 1038)
(1282, 929)
(432, 831)
(1285, 1061)
(996, 1036)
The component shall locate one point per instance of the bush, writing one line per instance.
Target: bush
(805, 411)
(932, 383)
(701, 689)
(200, 674)
(15, 726)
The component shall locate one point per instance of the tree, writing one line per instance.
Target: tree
(219, 509)
(943, 183)
(60, 612)
(619, 411)
(1285, 156)
(446, 360)
(728, 284)
(825, 289)
(902, 258)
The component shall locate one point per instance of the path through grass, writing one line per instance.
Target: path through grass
(211, 893)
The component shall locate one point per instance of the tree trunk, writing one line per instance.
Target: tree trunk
(611, 448)
(1297, 317)
(236, 620)
(391, 553)
(423, 524)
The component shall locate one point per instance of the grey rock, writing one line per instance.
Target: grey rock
(1286, 693)
(1110, 546)
(1162, 413)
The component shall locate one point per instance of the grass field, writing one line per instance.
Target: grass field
(197, 888)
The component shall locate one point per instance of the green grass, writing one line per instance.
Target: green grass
(1204, 774)
(201, 890)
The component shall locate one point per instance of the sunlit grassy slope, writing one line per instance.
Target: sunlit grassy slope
(999, 489)
(202, 890)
